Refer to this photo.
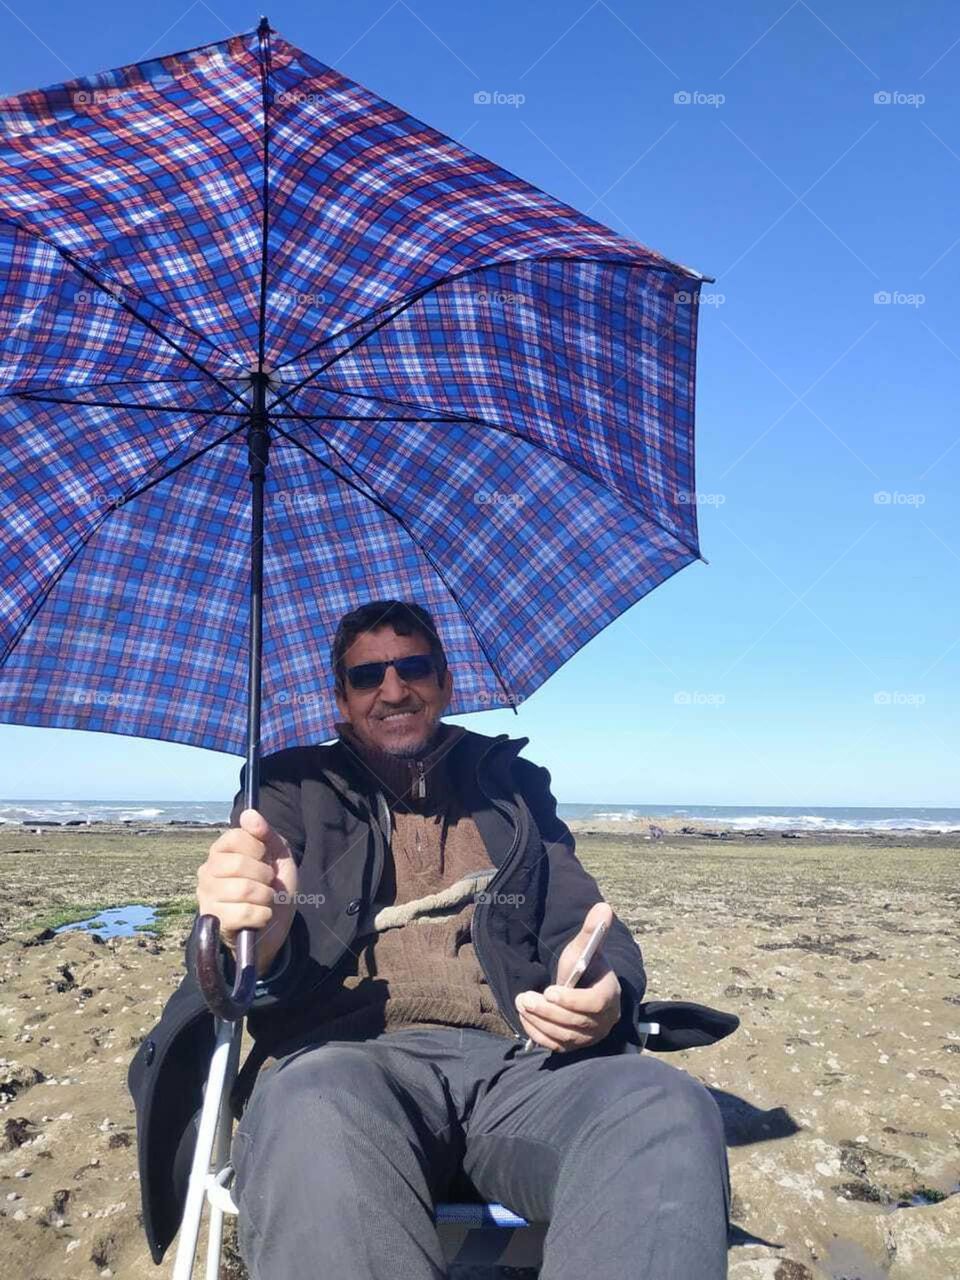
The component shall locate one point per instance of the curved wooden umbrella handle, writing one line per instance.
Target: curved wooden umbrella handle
(228, 1005)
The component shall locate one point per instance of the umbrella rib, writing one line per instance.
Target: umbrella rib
(216, 413)
(88, 274)
(364, 337)
(496, 426)
(346, 417)
(107, 382)
(372, 497)
(84, 542)
(180, 465)
(119, 404)
(402, 304)
(364, 493)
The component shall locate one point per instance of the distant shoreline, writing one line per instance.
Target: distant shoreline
(666, 830)
(820, 821)
(676, 831)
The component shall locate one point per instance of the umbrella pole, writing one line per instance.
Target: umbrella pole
(232, 1005)
(258, 447)
(258, 450)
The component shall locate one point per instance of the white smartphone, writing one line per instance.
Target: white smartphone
(579, 969)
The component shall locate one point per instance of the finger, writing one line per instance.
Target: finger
(252, 918)
(556, 1038)
(584, 1000)
(244, 915)
(556, 1014)
(599, 911)
(237, 890)
(239, 865)
(236, 840)
(538, 1035)
(252, 821)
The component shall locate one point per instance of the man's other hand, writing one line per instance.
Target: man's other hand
(249, 881)
(567, 1018)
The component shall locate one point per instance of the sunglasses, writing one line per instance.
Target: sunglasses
(369, 675)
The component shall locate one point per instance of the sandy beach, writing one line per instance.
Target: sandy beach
(839, 1091)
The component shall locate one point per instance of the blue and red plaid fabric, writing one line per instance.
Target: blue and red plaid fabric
(481, 399)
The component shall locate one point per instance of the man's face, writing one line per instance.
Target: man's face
(373, 712)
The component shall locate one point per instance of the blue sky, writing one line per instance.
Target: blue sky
(806, 156)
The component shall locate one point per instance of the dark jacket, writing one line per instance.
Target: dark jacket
(337, 823)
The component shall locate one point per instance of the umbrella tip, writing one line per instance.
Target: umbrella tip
(264, 28)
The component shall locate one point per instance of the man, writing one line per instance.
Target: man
(419, 905)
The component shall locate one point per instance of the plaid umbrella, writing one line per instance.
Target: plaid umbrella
(271, 347)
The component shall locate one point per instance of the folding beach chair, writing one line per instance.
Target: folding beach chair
(479, 1233)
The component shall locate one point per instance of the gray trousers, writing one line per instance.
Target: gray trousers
(345, 1147)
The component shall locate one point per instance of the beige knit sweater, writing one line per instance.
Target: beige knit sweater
(412, 962)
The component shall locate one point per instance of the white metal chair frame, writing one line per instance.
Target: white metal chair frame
(212, 1185)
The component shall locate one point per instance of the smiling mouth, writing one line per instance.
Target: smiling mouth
(399, 715)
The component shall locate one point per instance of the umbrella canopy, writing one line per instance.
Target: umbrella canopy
(475, 397)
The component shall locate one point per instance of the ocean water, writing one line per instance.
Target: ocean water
(773, 818)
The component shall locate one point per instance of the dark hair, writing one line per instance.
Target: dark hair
(405, 618)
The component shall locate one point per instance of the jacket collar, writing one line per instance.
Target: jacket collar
(474, 750)
(420, 784)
